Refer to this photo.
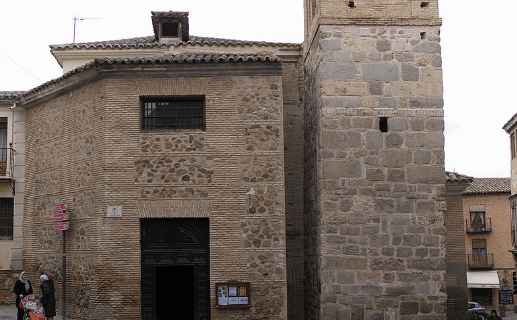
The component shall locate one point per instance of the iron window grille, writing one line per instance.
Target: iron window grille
(6, 218)
(173, 113)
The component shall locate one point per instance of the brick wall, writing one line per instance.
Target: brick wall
(456, 285)
(86, 148)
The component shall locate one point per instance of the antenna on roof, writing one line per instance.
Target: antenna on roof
(79, 19)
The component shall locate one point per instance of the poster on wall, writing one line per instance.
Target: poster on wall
(233, 294)
(222, 295)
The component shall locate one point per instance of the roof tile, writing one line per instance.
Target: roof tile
(151, 42)
(489, 185)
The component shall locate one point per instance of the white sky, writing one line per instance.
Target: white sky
(476, 52)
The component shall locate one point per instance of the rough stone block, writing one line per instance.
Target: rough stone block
(410, 73)
(381, 72)
(409, 307)
(428, 47)
(385, 102)
(375, 175)
(374, 315)
(398, 124)
(338, 71)
(405, 57)
(342, 102)
(374, 140)
(347, 168)
(399, 290)
(394, 140)
(341, 139)
(375, 88)
(387, 264)
(411, 240)
(330, 44)
(426, 174)
(395, 158)
(383, 45)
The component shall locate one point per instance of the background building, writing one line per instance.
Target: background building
(486, 211)
(12, 190)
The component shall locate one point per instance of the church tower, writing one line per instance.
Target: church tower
(374, 160)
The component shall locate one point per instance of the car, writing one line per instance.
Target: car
(482, 314)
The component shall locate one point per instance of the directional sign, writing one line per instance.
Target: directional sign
(61, 226)
(61, 207)
(61, 217)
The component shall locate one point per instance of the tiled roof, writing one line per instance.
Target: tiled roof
(489, 185)
(169, 58)
(10, 95)
(454, 176)
(151, 42)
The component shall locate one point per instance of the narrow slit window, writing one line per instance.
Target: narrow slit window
(383, 124)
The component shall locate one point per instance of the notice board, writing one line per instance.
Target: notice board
(505, 297)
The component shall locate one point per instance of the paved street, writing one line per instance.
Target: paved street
(9, 313)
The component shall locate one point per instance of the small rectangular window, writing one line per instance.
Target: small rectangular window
(173, 113)
(512, 144)
(6, 218)
(170, 29)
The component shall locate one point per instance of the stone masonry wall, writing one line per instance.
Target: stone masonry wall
(377, 220)
(92, 154)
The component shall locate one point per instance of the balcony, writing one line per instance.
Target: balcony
(6, 162)
(478, 227)
(486, 262)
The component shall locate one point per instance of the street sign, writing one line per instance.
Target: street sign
(61, 226)
(61, 217)
(61, 207)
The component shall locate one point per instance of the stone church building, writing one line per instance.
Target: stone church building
(221, 179)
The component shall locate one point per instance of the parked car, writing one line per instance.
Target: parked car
(482, 314)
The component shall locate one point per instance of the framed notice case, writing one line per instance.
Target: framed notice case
(232, 295)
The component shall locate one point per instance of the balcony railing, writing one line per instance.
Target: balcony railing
(6, 162)
(478, 227)
(486, 262)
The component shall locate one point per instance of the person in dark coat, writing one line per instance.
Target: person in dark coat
(21, 289)
(48, 297)
(494, 316)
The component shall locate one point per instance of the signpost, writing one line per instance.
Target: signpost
(61, 217)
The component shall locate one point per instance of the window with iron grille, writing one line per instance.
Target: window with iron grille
(6, 218)
(173, 113)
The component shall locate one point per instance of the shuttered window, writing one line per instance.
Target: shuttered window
(6, 218)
